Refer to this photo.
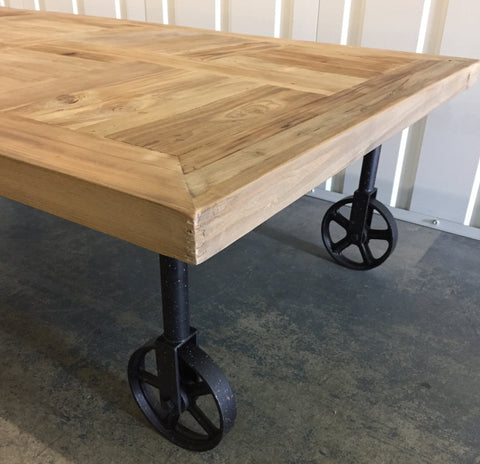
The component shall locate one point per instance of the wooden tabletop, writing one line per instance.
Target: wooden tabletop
(182, 140)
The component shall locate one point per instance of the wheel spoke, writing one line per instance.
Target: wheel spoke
(339, 246)
(379, 234)
(341, 220)
(197, 389)
(366, 253)
(149, 378)
(203, 421)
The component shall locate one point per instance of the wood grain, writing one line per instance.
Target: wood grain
(182, 140)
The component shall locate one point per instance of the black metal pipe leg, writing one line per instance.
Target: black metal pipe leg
(170, 373)
(176, 312)
(347, 228)
(368, 174)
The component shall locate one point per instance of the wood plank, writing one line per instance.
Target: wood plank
(58, 86)
(67, 51)
(122, 108)
(211, 132)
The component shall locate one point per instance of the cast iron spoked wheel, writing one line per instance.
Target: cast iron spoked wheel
(373, 246)
(208, 405)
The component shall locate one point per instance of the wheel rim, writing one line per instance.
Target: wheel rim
(339, 248)
(201, 379)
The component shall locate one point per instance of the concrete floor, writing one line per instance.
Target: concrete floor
(329, 365)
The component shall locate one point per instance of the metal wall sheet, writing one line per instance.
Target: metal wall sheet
(200, 13)
(253, 17)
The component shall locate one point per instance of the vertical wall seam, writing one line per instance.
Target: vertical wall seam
(217, 22)
(317, 31)
(171, 11)
(225, 15)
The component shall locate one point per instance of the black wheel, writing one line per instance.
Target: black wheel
(208, 405)
(364, 250)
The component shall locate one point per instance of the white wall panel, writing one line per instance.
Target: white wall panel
(195, 13)
(391, 25)
(252, 17)
(99, 8)
(452, 138)
(30, 4)
(154, 11)
(134, 9)
(305, 16)
(329, 26)
(15, 4)
(63, 6)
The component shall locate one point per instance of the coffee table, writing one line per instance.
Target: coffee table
(182, 140)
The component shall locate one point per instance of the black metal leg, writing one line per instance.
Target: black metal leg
(369, 170)
(348, 233)
(181, 391)
(176, 311)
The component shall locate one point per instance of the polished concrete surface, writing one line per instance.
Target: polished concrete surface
(328, 365)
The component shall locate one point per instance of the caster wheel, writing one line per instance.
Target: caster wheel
(208, 405)
(360, 251)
